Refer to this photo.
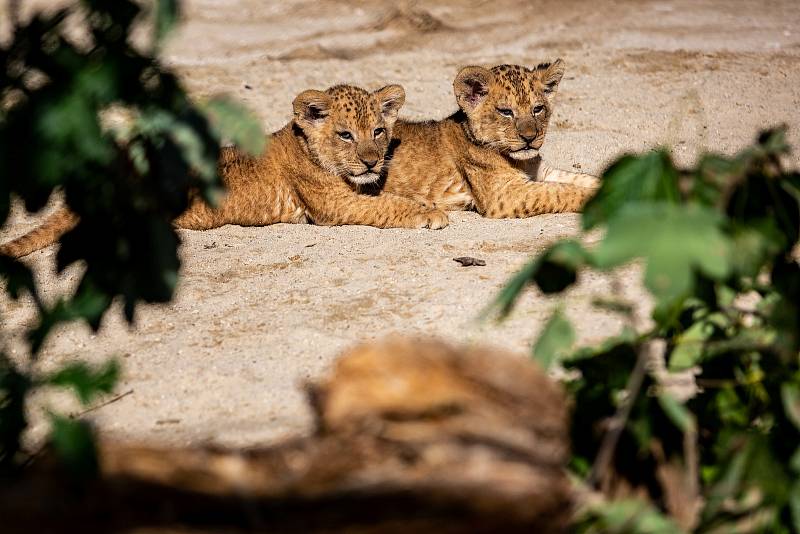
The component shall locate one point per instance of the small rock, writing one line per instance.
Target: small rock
(168, 422)
(467, 261)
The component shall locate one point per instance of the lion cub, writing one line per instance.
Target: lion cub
(486, 155)
(309, 172)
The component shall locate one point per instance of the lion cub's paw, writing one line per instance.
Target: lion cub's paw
(588, 181)
(434, 219)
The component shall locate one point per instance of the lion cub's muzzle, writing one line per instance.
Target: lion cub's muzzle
(371, 162)
(531, 138)
(367, 176)
(529, 149)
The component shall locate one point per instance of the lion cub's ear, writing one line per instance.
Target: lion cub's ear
(551, 75)
(471, 86)
(310, 108)
(391, 98)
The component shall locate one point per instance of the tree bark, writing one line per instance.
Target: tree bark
(411, 436)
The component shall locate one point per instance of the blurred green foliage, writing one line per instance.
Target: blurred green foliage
(126, 180)
(717, 245)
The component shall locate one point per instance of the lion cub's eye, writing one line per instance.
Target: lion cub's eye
(378, 132)
(346, 136)
(538, 109)
(505, 112)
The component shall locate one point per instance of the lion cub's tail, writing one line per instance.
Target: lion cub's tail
(56, 225)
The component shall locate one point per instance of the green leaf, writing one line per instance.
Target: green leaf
(627, 338)
(650, 177)
(553, 271)
(166, 16)
(773, 141)
(233, 122)
(626, 517)
(752, 339)
(729, 481)
(690, 344)
(755, 244)
(764, 204)
(673, 240)
(17, 276)
(505, 300)
(752, 475)
(558, 265)
(677, 412)
(66, 122)
(88, 303)
(794, 462)
(790, 396)
(73, 442)
(786, 278)
(714, 173)
(556, 338)
(791, 183)
(86, 382)
(794, 505)
(158, 125)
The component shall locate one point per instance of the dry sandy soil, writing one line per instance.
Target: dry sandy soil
(260, 310)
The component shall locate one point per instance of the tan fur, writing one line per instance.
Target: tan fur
(308, 173)
(56, 225)
(478, 158)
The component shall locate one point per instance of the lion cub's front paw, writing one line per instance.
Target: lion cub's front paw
(588, 181)
(434, 219)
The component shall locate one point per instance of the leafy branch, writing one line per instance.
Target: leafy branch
(125, 183)
(709, 239)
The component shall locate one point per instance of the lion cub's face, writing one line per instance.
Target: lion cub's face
(508, 107)
(348, 129)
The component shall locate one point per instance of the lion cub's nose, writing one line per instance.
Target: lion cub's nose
(368, 154)
(526, 130)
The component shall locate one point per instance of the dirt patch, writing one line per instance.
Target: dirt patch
(223, 361)
(410, 20)
(685, 61)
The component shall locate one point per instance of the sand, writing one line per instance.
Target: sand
(261, 310)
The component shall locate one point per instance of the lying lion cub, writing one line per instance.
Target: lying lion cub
(309, 172)
(486, 156)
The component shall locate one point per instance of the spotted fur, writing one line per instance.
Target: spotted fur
(486, 156)
(309, 172)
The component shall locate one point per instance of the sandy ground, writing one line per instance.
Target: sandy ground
(260, 310)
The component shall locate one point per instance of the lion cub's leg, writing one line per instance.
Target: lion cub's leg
(343, 206)
(386, 211)
(254, 203)
(546, 173)
(506, 195)
(199, 216)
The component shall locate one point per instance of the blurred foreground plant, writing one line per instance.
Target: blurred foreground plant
(126, 184)
(717, 245)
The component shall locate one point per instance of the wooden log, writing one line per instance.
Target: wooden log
(411, 436)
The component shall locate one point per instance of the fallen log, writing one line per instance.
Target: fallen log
(411, 436)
